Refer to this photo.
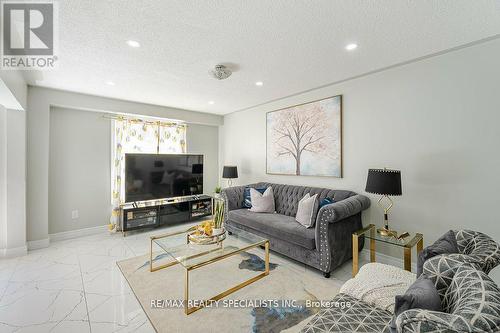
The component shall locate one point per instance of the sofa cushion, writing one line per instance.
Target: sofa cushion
(275, 225)
(247, 200)
(326, 201)
(422, 294)
(444, 245)
(287, 197)
(262, 203)
(306, 209)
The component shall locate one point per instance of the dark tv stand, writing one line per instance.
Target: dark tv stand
(155, 213)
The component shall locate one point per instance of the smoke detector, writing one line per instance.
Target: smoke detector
(221, 72)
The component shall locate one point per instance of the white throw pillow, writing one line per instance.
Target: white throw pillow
(305, 210)
(262, 203)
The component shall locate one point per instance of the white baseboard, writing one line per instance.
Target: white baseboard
(14, 252)
(38, 244)
(77, 233)
(386, 259)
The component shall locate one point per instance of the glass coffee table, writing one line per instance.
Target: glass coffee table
(192, 256)
(371, 233)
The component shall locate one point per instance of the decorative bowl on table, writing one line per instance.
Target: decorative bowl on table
(205, 234)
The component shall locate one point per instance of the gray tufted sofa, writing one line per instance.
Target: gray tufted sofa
(325, 247)
(469, 298)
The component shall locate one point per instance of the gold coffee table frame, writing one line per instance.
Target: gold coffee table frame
(188, 268)
(370, 233)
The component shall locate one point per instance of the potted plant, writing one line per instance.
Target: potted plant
(218, 218)
(218, 189)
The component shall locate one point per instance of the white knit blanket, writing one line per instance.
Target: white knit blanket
(378, 284)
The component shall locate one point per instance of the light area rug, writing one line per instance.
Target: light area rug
(287, 281)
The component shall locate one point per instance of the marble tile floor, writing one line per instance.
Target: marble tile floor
(75, 286)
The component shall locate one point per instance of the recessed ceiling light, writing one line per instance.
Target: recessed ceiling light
(133, 43)
(350, 47)
(110, 83)
(211, 102)
(259, 83)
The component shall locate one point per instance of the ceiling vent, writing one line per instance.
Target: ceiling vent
(221, 72)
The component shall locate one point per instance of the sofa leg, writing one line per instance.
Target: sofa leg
(229, 233)
(326, 275)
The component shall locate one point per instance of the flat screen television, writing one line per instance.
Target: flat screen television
(161, 176)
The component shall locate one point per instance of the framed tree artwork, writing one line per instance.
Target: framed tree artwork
(306, 139)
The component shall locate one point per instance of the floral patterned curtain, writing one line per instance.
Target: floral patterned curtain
(137, 136)
(172, 139)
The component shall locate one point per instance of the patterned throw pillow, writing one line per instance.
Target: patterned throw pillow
(247, 201)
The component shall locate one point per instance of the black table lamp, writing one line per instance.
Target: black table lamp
(229, 173)
(387, 183)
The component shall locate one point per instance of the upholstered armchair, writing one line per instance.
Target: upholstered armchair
(470, 300)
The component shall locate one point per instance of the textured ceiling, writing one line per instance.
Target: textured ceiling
(290, 45)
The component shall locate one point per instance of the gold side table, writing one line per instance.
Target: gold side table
(370, 233)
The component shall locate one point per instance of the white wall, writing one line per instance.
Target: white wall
(12, 182)
(17, 86)
(7, 98)
(202, 139)
(3, 178)
(40, 102)
(79, 169)
(13, 95)
(16, 181)
(437, 120)
(79, 166)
